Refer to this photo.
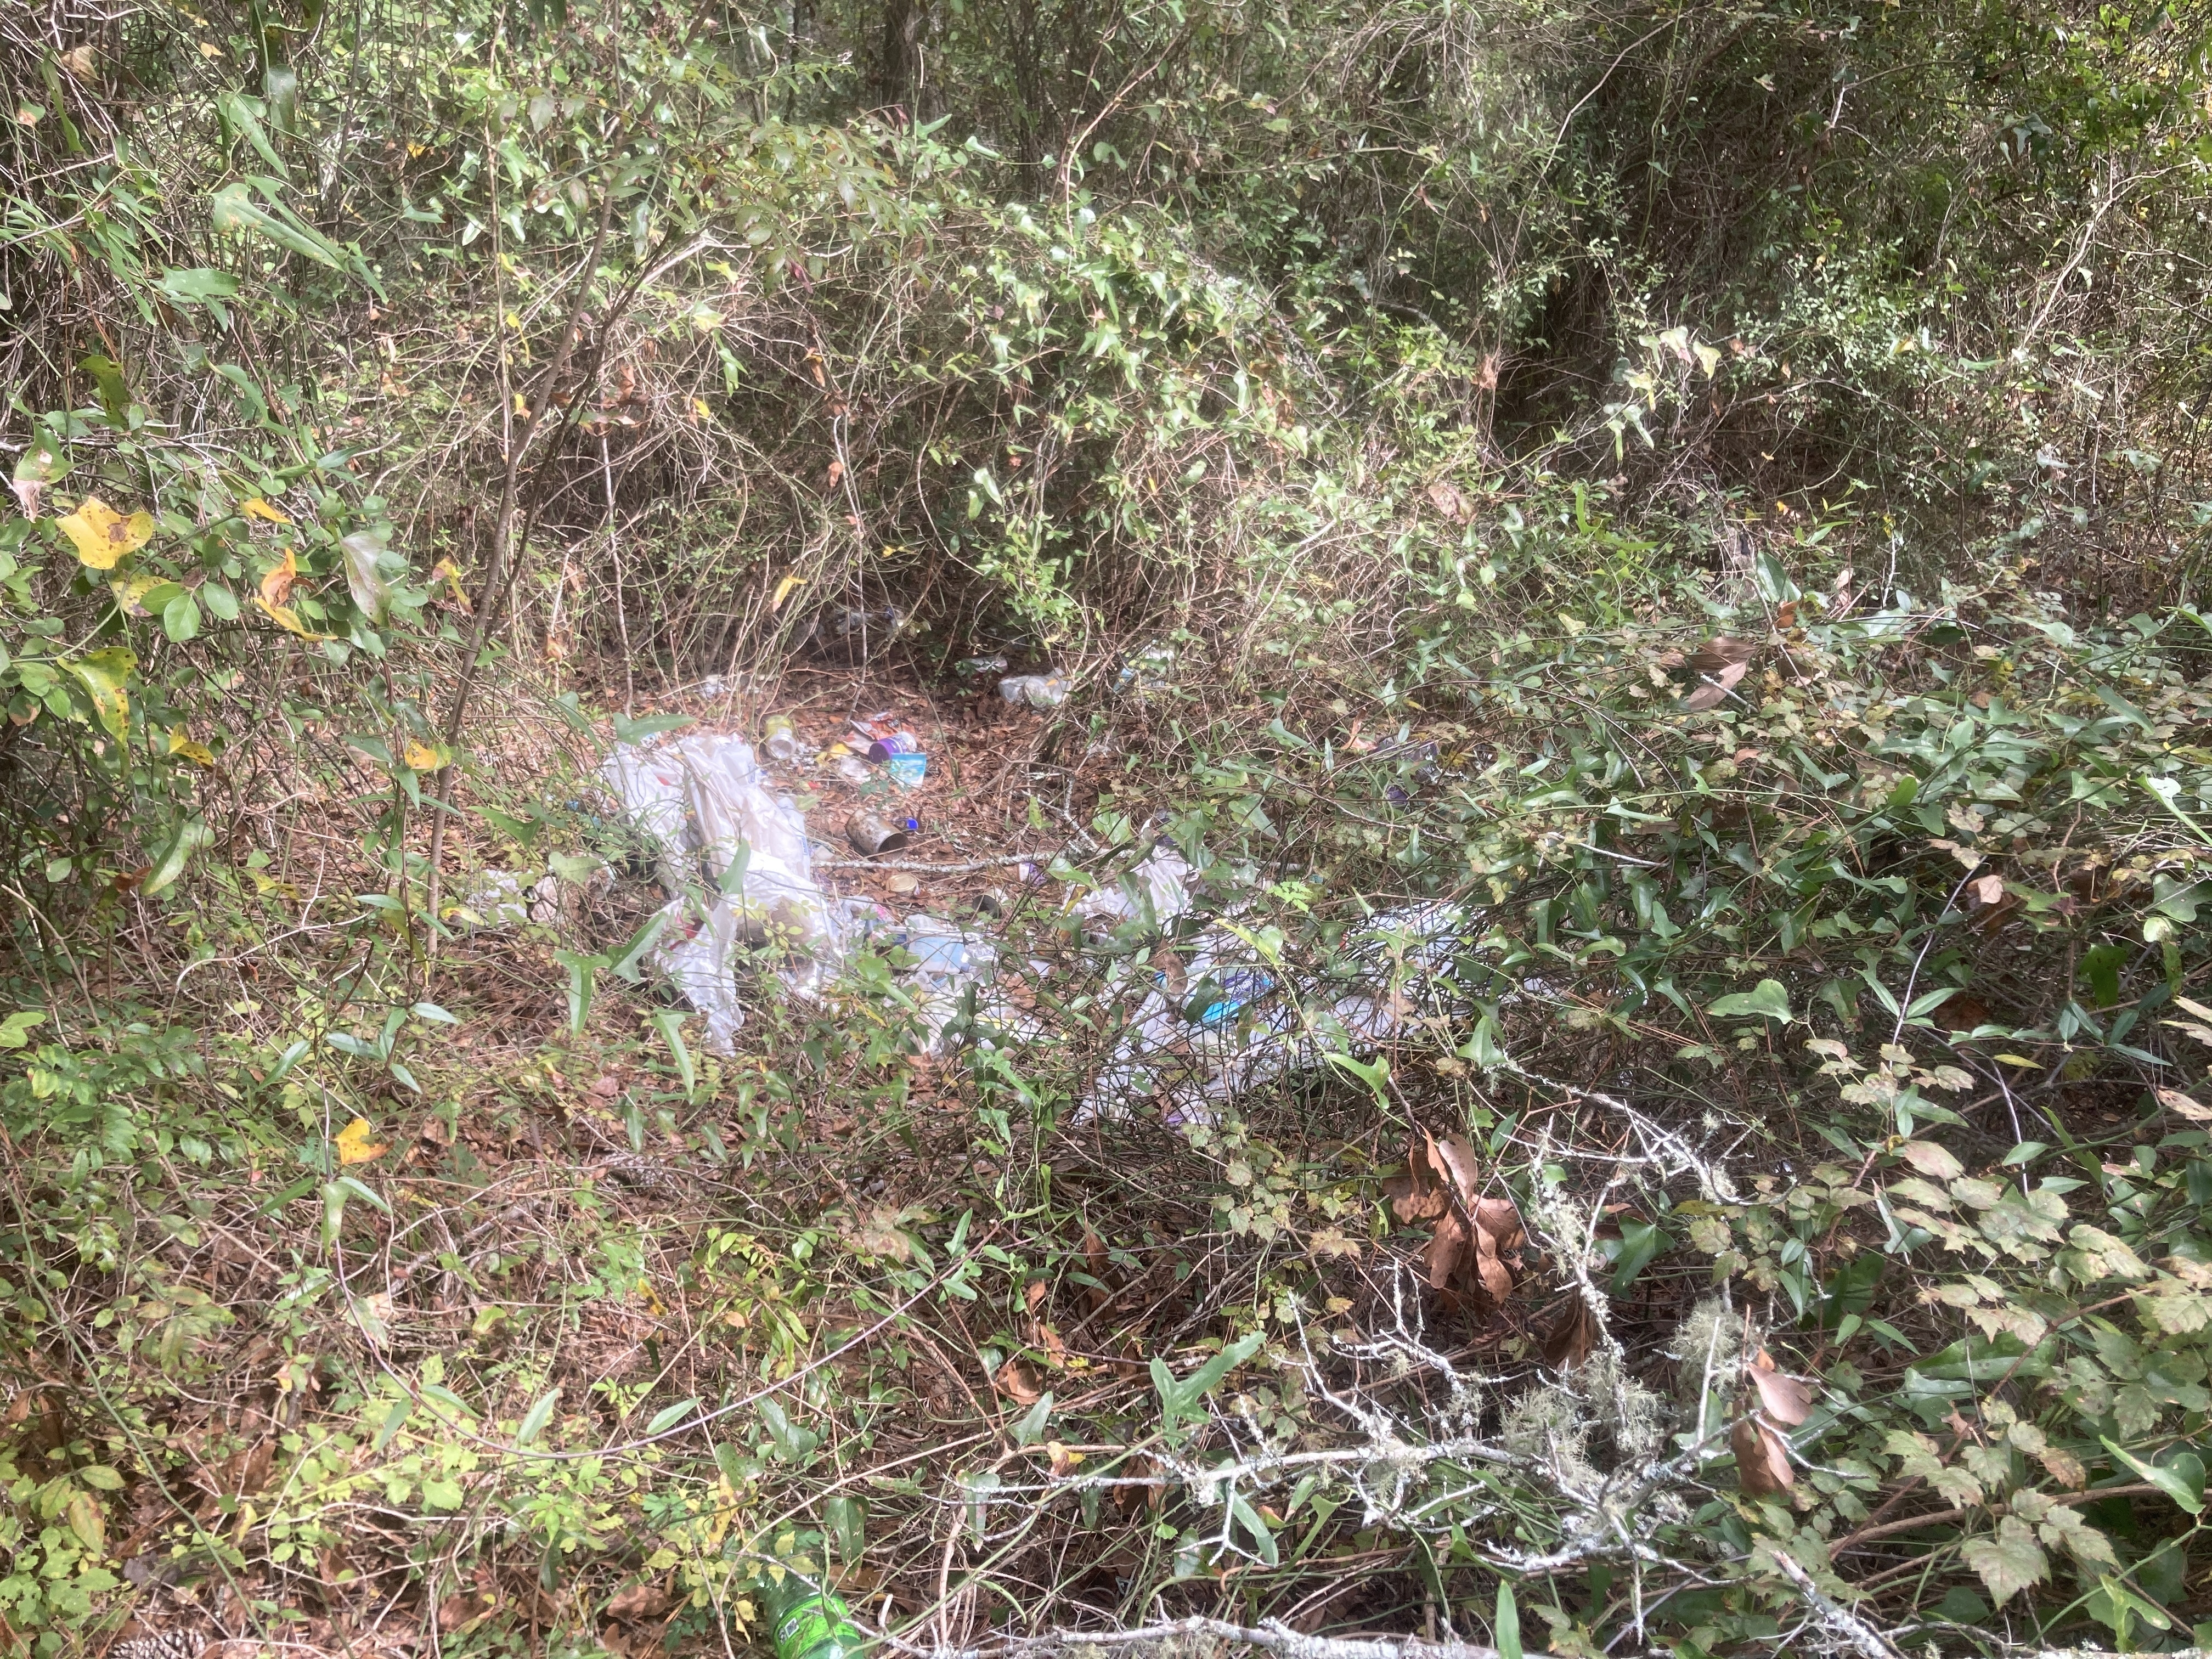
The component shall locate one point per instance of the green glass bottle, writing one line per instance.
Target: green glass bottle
(806, 1621)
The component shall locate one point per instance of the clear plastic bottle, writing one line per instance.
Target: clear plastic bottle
(779, 740)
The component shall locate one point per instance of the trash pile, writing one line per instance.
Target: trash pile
(740, 867)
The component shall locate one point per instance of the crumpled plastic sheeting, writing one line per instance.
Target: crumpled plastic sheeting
(1190, 1068)
(1156, 889)
(704, 798)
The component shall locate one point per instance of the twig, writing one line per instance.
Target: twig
(968, 868)
(1273, 1637)
(1853, 1631)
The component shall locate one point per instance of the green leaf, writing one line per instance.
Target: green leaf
(233, 208)
(180, 619)
(100, 1476)
(15, 1029)
(670, 1024)
(730, 1461)
(248, 389)
(1263, 1540)
(1767, 997)
(114, 390)
(1483, 1046)
(1640, 1241)
(669, 1416)
(2008, 1560)
(630, 731)
(1179, 1399)
(442, 1493)
(43, 460)
(1373, 1073)
(198, 286)
(241, 117)
(363, 1191)
(394, 1420)
(191, 836)
(1505, 1627)
(364, 552)
(1030, 1429)
(440, 1395)
(524, 831)
(2182, 1479)
(848, 1520)
(583, 975)
(535, 1420)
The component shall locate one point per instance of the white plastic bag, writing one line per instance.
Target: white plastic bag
(695, 956)
(732, 808)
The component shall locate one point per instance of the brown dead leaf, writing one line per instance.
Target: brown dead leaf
(2064, 1467)
(1018, 1379)
(1454, 1157)
(1964, 1012)
(648, 1601)
(1419, 1195)
(276, 584)
(880, 1234)
(1445, 1248)
(1056, 1350)
(1762, 1462)
(1989, 890)
(1718, 683)
(1787, 1400)
(1448, 500)
(1034, 1296)
(2174, 1101)
(1572, 1335)
(1718, 653)
(1936, 1161)
(464, 1608)
(1497, 1230)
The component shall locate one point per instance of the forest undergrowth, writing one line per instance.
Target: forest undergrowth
(1583, 1016)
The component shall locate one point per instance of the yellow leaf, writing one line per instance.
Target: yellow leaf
(131, 589)
(699, 407)
(103, 535)
(208, 49)
(783, 590)
(2021, 1060)
(277, 584)
(353, 1144)
(106, 677)
(289, 619)
(427, 757)
(254, 507)
(180, 743)
(454, 591)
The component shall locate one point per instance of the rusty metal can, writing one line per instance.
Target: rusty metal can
(871, 835)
